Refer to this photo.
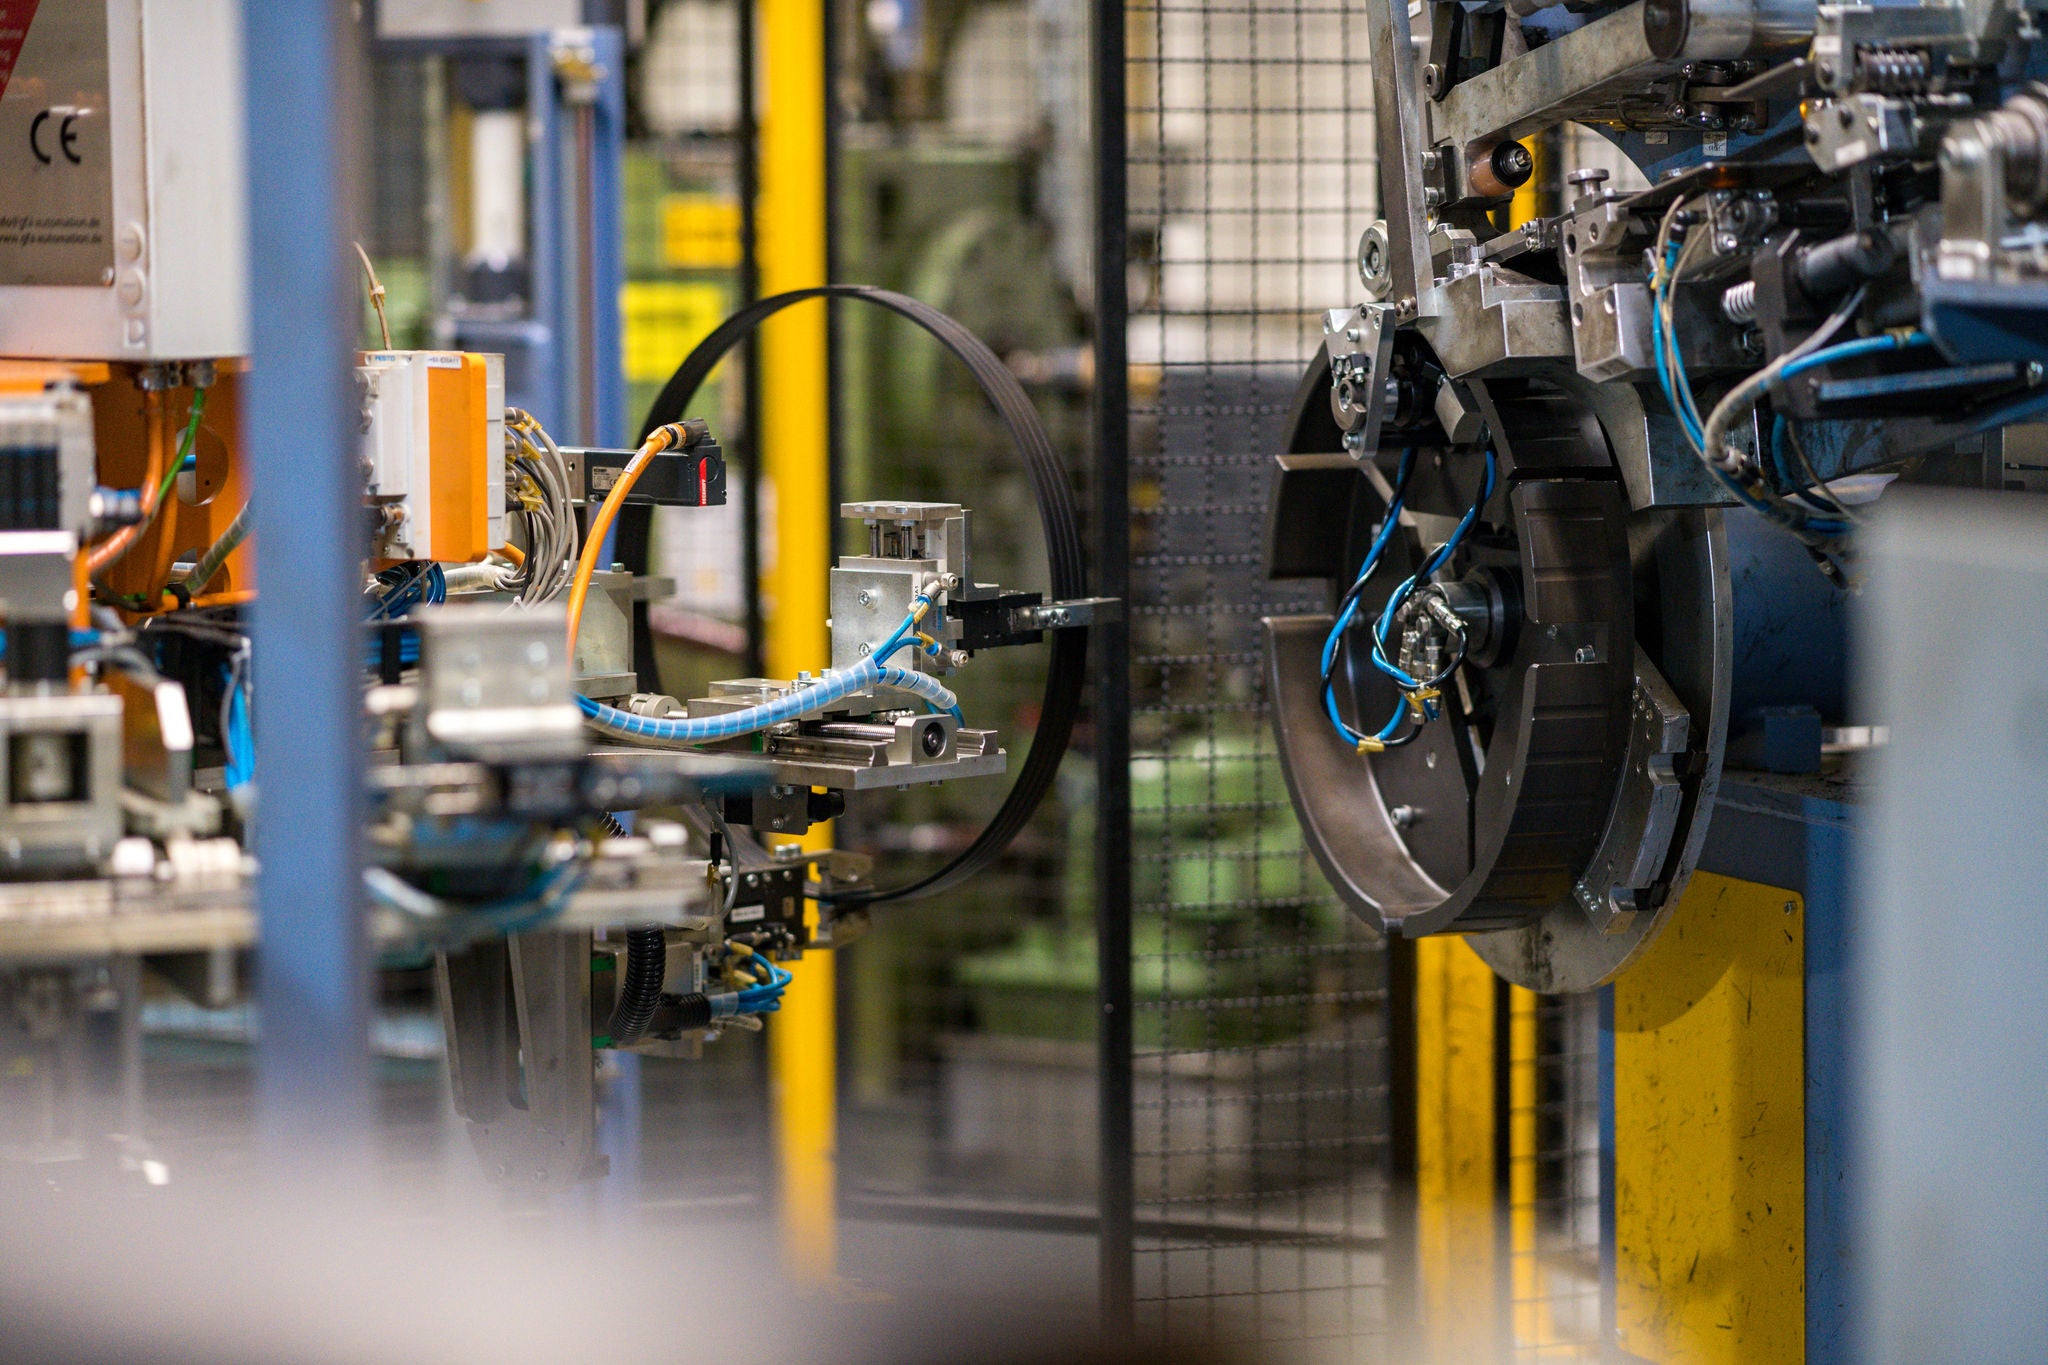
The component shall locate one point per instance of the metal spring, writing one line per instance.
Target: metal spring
(1738, 302)
(1892, 70)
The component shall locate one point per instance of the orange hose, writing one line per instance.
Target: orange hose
(118, 544)
(81, 606)
(81, 593)
(662, 438)
(512, 553)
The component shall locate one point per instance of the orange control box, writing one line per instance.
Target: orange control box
(434, 449)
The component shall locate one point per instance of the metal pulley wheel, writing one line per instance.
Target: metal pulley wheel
(1554, 809)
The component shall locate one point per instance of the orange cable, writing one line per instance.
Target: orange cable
(668, 437)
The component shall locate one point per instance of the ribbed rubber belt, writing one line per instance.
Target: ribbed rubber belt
(1066, 671)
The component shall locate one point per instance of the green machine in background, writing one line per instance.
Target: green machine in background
(972, 1017)
(953, 225)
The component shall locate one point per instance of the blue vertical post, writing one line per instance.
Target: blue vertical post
(607, 264)
(313, 1082)
(577, 234)
(548, 377)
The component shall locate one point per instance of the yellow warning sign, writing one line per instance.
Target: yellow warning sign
(700, 232)
(663, 320)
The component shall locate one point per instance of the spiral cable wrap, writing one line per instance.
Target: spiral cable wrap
(834, 686)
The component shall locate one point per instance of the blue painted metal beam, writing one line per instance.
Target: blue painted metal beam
(299, 419)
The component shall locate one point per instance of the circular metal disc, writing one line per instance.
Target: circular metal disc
(1557, 822)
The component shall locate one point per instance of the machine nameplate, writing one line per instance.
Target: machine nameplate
(56, 165)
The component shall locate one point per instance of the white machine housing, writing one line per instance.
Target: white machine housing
(475, 18)
(123, 203)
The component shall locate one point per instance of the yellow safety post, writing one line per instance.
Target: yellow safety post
(794, 472)
(1454, 1150)
(1709, 1132)
(1538, 196)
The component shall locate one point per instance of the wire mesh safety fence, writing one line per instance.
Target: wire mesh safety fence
(1556, 1308)
(1259, 1087)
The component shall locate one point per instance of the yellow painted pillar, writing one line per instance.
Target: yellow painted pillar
(1454, 1145)
(1709, 1132)
(1529, 1315)
(794, 474)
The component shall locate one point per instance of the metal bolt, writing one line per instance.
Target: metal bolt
(1586, 176)
(865, 597)
(957, 659)
(864, 648)
(1403, 816)
(1586, 654)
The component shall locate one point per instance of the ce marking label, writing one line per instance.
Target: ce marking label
(65, 140)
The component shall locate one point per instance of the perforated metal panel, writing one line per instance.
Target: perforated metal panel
(1260, 1079)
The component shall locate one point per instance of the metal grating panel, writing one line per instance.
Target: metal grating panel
(1260, 1079)
(1558, 1311)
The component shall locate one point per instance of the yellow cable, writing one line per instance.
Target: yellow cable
(732, 968)
(376, 295)
(668, 437)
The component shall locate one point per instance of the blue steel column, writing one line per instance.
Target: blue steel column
(604, 348)
(548, 245)
(578, 350)
(299, 419)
